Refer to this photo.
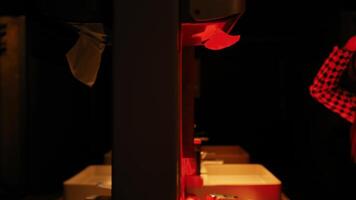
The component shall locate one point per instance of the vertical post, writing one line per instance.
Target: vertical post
(189, 92)
(146, 100)
(12, 101)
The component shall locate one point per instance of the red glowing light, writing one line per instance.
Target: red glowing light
(194, 34)
(197, 141)
(207, 33)
(220, 40)
(211, 35)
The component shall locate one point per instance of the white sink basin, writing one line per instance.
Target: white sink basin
(246, 181)
(94, 180)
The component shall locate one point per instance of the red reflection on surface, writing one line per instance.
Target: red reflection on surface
(192, 197)
(220, 40)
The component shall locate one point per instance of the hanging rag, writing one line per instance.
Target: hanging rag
(84, 58)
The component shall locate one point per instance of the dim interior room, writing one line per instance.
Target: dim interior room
(253, 94)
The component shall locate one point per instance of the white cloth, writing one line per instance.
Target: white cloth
(84, 57)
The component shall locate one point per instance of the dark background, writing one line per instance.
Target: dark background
(67, 125)
(253, 94)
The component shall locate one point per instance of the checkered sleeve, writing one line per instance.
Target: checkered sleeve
(325, 87)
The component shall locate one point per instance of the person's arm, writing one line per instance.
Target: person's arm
(325, 88)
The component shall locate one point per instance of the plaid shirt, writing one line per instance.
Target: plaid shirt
(325, 88)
